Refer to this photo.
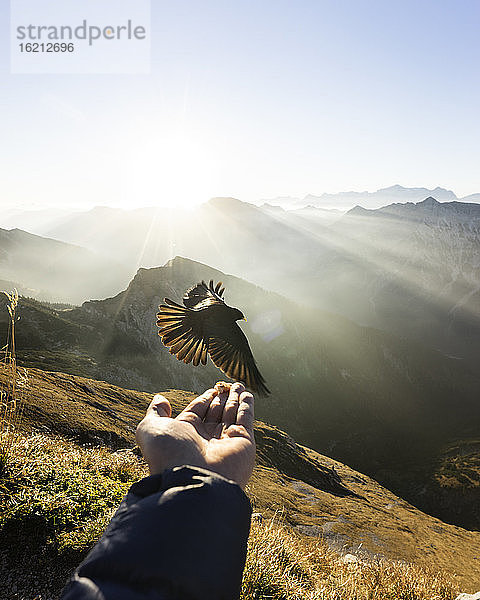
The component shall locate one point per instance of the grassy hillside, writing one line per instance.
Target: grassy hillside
(60, 487)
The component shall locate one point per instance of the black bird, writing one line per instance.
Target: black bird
(206, 325)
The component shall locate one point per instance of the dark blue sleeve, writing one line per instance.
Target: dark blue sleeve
(182, 534)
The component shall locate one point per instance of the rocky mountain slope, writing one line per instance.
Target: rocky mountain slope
(384, 405)
(317, 496)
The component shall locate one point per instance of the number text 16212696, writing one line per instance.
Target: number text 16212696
(47, 47)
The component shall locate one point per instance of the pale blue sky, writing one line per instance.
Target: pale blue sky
(255, 99)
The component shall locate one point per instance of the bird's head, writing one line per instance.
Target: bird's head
(238, 315)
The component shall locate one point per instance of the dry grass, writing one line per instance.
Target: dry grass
(12, 388)
(66, 494)
(283, 566)
(57, 497)
(102, 414)
(378, 521)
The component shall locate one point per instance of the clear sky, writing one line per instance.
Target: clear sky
(255, 99)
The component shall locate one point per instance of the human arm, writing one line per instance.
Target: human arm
(182, 532)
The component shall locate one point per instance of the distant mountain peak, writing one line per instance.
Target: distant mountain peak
(182, 263)
(359, 211)
(393, 188)
(183, 260)
(272, 207)
(430, 201)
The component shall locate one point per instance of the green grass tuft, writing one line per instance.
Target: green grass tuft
(64, 493)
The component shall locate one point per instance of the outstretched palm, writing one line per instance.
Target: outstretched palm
(215, 432)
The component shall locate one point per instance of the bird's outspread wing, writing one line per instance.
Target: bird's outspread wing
(203, 295)
(181, 331)
(231, 353)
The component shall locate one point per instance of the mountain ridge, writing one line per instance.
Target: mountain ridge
(383, 269)
(382, 196)
(430, 208)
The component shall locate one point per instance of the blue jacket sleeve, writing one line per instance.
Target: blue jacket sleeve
(182, 534)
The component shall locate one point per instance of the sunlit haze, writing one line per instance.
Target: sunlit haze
(254, 100)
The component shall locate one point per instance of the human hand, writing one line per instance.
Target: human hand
(215, 432)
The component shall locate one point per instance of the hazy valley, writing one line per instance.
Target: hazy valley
(411, 269)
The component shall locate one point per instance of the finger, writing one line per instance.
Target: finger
(215, 410)
(158, 407)
(161, 406)
(237, 431)
(200, 405)
(245, 413)
(231, 405)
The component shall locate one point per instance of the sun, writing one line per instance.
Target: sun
(175, 172)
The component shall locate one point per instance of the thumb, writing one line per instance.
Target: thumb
(161, 406)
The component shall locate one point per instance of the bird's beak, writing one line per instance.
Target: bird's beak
(245, 319)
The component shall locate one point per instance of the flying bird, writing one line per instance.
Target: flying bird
(204, 326)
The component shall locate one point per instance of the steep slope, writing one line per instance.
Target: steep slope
(384, 405)
(412, 269)
(57, 271)
(319, 497)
